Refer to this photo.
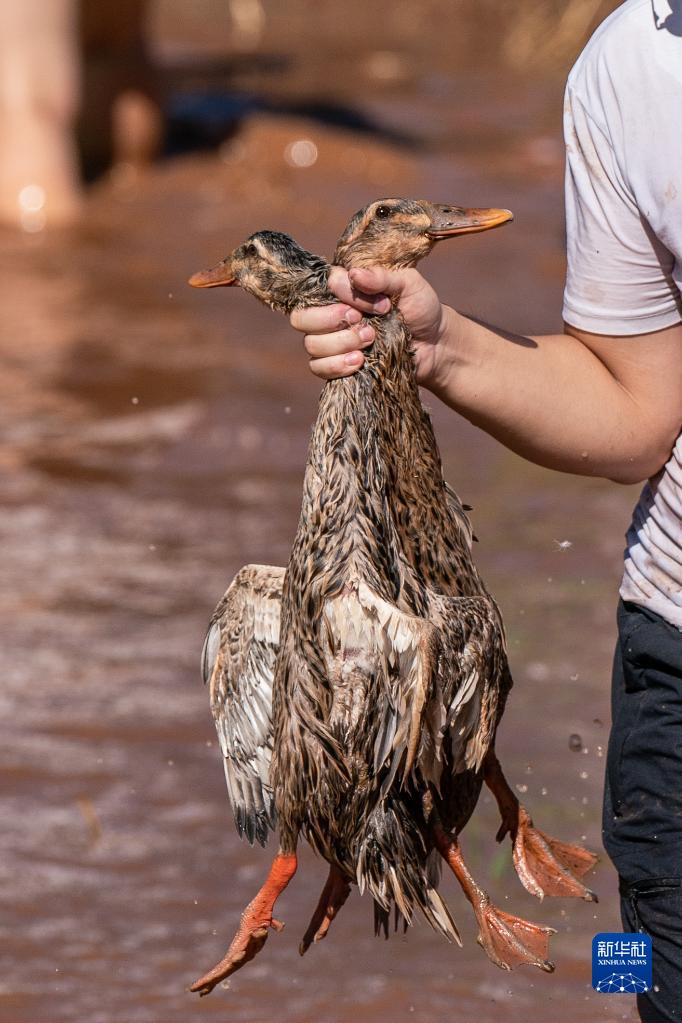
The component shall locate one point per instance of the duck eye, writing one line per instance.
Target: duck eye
(251, 250)
(383, 211)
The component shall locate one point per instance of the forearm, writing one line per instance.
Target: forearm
(551, 399)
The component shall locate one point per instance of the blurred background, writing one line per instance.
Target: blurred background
(154, 440)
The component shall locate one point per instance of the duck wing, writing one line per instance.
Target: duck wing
(238, 661)
(367, 638)
(475, 676)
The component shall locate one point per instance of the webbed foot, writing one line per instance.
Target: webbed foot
(507, 940)
(545, 865)
(510, 941)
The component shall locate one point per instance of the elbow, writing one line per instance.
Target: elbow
(628, 475)
(647, 461)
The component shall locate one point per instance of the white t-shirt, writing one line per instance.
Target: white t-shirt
(623, 131)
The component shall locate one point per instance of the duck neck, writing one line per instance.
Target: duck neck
(373, 479)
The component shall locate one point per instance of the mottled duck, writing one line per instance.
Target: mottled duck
(357, 694)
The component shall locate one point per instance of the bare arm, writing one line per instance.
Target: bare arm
(576, 402)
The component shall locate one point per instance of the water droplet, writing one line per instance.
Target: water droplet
(134, 401)
(171, 763)
(301, 153)
(522, 788)
(543, 791)
(31, 201)
(584, 775)
(32, 198)
(575, 742)
(287, 410)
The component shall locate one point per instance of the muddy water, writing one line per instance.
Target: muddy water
(154, 441)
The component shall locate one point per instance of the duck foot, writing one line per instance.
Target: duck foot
(545, 865)
(510, 941)
(507, 940)
(334, 894)
(256, 921)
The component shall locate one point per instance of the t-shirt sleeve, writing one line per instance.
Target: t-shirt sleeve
(620, 275)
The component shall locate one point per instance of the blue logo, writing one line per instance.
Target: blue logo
(621, 964)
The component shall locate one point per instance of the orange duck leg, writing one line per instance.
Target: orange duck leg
(545, 865)
(256, 921)
(507, 940)
(334, 894)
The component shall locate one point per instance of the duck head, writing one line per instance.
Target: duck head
(274, 268)
(399, 232)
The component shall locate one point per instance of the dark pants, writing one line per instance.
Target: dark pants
(643, 797)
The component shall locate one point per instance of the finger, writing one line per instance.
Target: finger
(321, 346)
(323, 319)
(337, 365)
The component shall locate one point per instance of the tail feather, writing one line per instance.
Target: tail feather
(393, 864)
(440, 917)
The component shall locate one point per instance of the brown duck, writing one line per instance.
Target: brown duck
(357, 694)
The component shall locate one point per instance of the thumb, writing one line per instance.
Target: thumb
(372, 280)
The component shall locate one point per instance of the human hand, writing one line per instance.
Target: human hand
(335, 335)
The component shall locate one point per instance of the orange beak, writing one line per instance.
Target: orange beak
(219, 276)
(448, 221)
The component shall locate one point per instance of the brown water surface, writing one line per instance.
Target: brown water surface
(154, 441)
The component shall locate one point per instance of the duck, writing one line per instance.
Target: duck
(357, 693)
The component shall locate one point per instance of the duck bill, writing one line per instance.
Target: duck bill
(219, 276)
(448, 221)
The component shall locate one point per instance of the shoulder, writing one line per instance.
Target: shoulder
(624, 57)
(629, 71)
(607, 71)
(621, 36)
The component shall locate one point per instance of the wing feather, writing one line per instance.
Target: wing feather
(238, 661)
(474, 677)
(401, 652)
